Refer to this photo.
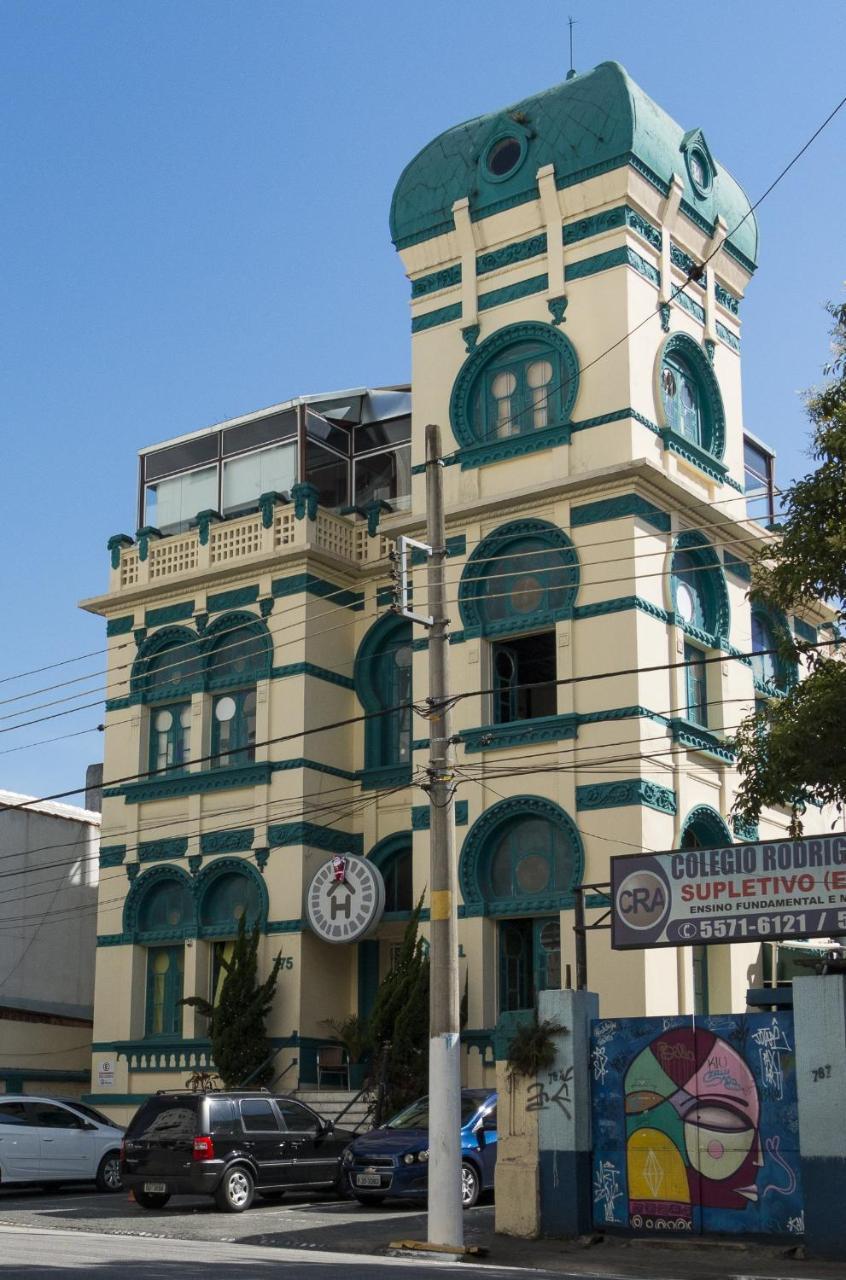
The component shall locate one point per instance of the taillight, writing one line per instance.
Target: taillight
(203, 1148)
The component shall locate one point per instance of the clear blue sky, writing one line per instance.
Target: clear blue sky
(194, 225)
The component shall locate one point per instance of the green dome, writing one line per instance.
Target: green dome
(589, 124)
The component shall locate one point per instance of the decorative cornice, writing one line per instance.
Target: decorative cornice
(511, 292)
(694, 738)
(726, 299)
(285, 926)
(190, 784)
(626, 504)
(169, 613)
(312, 585)
(266, 503)
(623, 256)
(481, 455)
(120, 626)
(621, 604)
(680, 259)
(281, 834)
(726, 336)
(162, 850)
(745, 831)
(383, 777)
(441, 315)
(674, 442)
(237, 598)
(203, 521)
(689, 305)
(311, 669)
(300, 762)
(233, 840)
(112, 855)
(446, 278)
(306, 498)
(420, 815)
(144, 535)
(521, 251)
(629, 791)
(520, 733)
(115, 545)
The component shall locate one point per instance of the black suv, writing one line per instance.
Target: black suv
(228, 1145)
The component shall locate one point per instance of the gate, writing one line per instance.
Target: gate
(695, 1125)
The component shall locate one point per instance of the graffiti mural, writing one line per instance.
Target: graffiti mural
(695, 1125)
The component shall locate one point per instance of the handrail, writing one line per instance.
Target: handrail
(364, 1089)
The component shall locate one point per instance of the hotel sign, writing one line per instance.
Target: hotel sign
(743, 893)
(346, 899)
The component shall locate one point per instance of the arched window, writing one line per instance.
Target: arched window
(690, 405)
(163, 907)
(239, 654)
(158, 913)
(522, 856)
(703, 828)
(770, 671)
(393, 857)
(383, 682)
(166, 673)
(229, 897)
(521, 380)
(698, 586)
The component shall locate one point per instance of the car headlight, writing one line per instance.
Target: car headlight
(423, 1156)
(347, 1158)
(408, 1158)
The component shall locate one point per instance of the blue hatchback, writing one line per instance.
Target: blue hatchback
(392, 1161)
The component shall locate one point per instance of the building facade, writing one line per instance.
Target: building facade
(48, 916)
(577, 266)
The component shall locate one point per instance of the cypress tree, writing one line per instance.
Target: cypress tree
(236, 1024)
(399, 1026)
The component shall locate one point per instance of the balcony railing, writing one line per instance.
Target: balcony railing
(218, 543)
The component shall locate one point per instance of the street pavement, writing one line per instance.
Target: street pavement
(77, 1232)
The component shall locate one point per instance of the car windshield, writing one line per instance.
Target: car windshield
(417, 1115)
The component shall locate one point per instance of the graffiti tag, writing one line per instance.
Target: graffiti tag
(539, 1097)
(599, 1062)
(797, 1225)
(772, 1042)
(606, 1189)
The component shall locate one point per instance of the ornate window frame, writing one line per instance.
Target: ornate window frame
(213, 872)
(708, 454)
(475, 452)
(381, 768)
(141, 887)
(713, 586)
(386, 851)
(479, 566)
(776, 623)
(477, 841)
(711, 821)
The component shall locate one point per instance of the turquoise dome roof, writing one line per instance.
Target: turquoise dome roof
(589, 124)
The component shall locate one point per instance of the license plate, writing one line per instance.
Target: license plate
(368, 1180)
(155, 1188)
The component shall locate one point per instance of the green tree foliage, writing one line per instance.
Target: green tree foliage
(236, 1024)
(399, 1026)
(793, 750)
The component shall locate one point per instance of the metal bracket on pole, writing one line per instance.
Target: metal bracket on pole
(404, 607)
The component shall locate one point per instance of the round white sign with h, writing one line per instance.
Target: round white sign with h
(346, 899)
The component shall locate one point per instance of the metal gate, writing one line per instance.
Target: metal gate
(695, 1125)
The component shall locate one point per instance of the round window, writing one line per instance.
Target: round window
(526, 595)
(164, 719)
(550, 938)
(685, 602)
(224, 709)
(699, 170)
(504, 156)
(532, 873)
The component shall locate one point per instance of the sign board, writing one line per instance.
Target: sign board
(743, 893)
(106, 1073)
(346, 899)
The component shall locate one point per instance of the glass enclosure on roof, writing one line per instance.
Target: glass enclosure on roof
(354, 451)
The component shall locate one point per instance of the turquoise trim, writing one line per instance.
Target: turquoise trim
(446, 278)
(689, 305)
(384, 777)
(237, 598)
(726, 299)
(312, 585)
(708, 451)
(112, 855)
(745, 831)
(520, 733)
(682, 260)
(623, 713)
(621, 604)
(726, 336)
(510, 253)
(441, 315)
(282, 834)
(481, 455)
(676, 443)
(455, 546)
(511, 292)
(115, 546)
(120, 626)
(610, 220)
(311, 669)
(630, 791)
(120, 704)
(696, 738)
(712, 828)
(420, 815)
(421, 643)
(804, 630)
(285, 926)
(739, 568)
(113, 939)
(748, 265)
(68, 1075)
(623, 256)
(560, 585)
(617, 415)
(420, 744)
(300, 762)
(709, 583)
(191, 784)
(233, 840)
(627, 504)
(162, 850)
(169, 613)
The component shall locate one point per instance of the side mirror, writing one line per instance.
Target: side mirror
(328, 1127)
(86, 1124)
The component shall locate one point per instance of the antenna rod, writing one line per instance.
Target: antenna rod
(572, 22)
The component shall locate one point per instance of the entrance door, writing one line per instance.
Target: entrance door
(529, 960)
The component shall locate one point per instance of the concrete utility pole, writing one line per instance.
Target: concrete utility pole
(446, 1220)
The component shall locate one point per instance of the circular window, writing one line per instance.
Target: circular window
(550, 938)
(526, 595)
(164, 719)
(685, 602)
(699, 170)
(504, 156)
(532, 873)
(224, 709)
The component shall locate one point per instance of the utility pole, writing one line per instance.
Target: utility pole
(446, 1221)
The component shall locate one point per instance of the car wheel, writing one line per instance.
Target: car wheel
(236, 1190)
(108, 1175)
(151, 1199)
(470, 1185)
(370, 1201)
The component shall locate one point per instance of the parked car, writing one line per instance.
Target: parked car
(53, 1140)
(228, 1145)
(393, 1160)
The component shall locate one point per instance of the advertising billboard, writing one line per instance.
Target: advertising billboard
(742, 893)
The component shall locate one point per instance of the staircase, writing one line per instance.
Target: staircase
(329, 1103)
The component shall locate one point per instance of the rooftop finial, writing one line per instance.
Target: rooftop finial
(571, 22)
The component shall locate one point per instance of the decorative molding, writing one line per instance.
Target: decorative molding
(616, 415)
(710, 347)
(521, 251)
(166, 614)
(682, 260)
(520, 733)
(119, 626)
(237, 598)
(231, 840)
(481, 455)
(112, 855)
(627, 504)
(115, 545)
(726, 336)
(262, 856)
(281, 834)
(420, 815)
(190, 784)
(804, 630)
(300, 762)
(455, 546)
(726, 299)
(497, 543)
(285, 926)
(739, 568)
(470, 334)
(594, 225)
(664, 313)
(446, 278)
(621, 604)
(266, 504)
(745, 831)
(622, 256)
(712, 828)
(383, 777)
(689, 305)
(162, 850)
(557, 307)
(623, 713)
(306, 498)
(195, 861)
(441, 315)
(112, 939)
(312, 585)
(695, 738)
(132, 869)
(629, 791)
(120, 704)
(643, 227)
(145, 535)
(204, 521)
(512, 292)
(676, 443)
(311, 669)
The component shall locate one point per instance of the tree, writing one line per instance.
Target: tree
(792, 751)
(240, 1047)
(399, 1026)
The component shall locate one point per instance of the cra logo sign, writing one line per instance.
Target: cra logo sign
(642, 900)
